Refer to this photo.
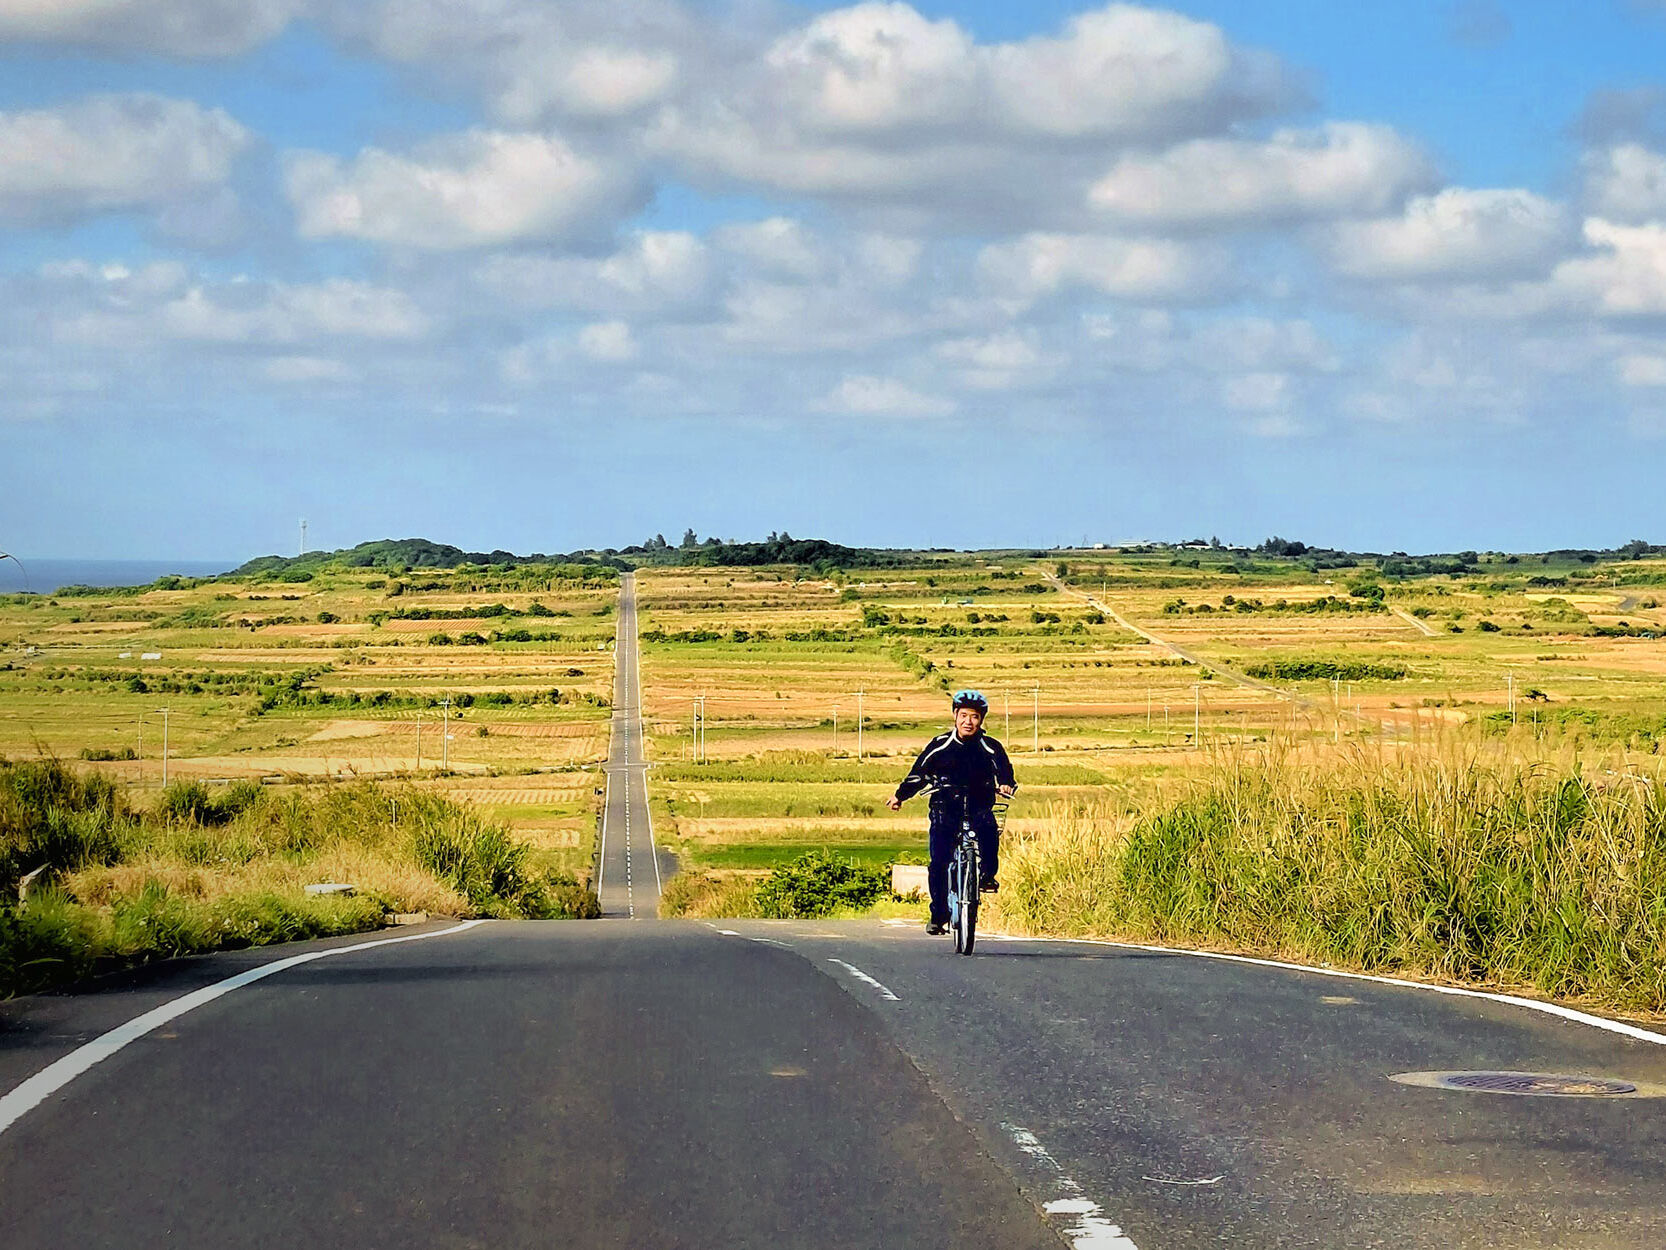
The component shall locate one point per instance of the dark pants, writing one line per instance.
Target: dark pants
(945, 835)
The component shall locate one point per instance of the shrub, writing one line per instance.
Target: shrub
(818, 883)
(693, 893)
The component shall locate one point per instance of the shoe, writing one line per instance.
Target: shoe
(936, 928)
(989, 886)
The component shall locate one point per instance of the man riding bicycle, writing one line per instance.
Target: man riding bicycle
(967, 769)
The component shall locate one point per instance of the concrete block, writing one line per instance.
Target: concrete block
(908, 879)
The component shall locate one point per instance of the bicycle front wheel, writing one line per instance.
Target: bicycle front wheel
(966, 929)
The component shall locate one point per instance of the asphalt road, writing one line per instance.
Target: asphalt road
(632, 868)
(810, 1084)
(516, 1085)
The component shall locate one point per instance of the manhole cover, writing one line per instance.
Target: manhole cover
(1539, 1084)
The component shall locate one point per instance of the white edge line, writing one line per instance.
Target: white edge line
(647, 802)
(607, 805)
(863, 977)
(1532, 1004)
(1089, 1229)
(50, 1079)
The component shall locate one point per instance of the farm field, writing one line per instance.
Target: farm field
(1091, 711)
(348, 674)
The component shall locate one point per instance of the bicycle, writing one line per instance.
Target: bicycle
(965, 877)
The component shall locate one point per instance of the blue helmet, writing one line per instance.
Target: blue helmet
(972, 699)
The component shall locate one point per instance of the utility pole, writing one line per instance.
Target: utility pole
(1336, 708)
(1197, 714)
(303, 536)
(445, 737)
(1035, 720)
(164, 712)
(859, 695)
(141, 752)
(1510, 678)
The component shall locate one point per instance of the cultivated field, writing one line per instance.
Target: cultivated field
(344, 675)
(1309, 659)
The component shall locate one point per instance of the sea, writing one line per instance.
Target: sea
(45, 576)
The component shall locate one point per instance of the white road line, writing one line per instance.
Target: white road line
(50, 1079)
(636, 666)
(1532, 1004)
(630, 893)
(601, 861)
(1088, 1228)
(866, 980)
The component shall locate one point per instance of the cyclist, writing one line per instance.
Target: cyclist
(964, 761)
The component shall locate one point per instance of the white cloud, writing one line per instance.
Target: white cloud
(305, 369)
(1641, 370)
(115, 307)
(186, 28)
(1626, 182)
(1261, 344)
(1139, 268)
(590, 59)
(879, 106)
(608, 341)
(874, 67)
(1458, 233)
(283, 313)
(1127, 71)
(114, 153)
(655, 273)
(1257, 392)
(1627, 276)
(471, 190)
(999, 361)
(866, 395)
(778, 246)
(1340, 169)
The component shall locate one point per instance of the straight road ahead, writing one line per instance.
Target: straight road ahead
(632, 868)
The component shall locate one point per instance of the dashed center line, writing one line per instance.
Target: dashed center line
(863, 977)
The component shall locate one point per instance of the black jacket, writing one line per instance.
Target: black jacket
(976, 765)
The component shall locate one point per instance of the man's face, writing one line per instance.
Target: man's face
(967, 721)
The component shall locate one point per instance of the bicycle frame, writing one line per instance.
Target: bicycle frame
(965, 876)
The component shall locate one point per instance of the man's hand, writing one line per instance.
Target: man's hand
(1006, 792)
(894, 803)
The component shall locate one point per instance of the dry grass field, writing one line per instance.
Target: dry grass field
(329, 679)
(343, 676)
(1092, 711)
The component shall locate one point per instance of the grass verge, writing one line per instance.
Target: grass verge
(1469, 865)
(205, 870)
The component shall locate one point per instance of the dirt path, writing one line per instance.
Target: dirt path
(1428, 631)
(1177, 650)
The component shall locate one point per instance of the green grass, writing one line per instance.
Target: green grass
(1474, 864)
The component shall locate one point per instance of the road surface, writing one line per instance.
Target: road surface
(810, 1084)
(631, 867)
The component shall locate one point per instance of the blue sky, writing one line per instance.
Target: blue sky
(557, 275)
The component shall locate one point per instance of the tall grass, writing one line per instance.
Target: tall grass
(204, 869)
(1472, 863)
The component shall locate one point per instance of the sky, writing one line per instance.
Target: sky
(547, 276)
